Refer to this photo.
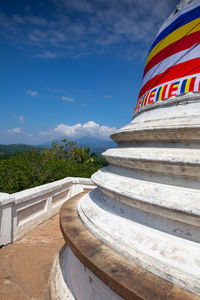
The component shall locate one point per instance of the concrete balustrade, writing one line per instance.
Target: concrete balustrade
(23, 211)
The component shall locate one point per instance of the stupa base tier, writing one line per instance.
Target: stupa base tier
(174, 121)
(93, 270)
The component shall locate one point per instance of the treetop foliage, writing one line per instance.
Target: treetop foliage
(36, 167)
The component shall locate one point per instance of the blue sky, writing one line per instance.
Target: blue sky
(73, 68)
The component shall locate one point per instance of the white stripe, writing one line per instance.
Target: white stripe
(173, 17)
(173, 60)
(196, 85)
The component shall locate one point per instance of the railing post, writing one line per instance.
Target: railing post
(6, 219)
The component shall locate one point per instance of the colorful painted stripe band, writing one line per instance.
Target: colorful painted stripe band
(183, 19)
(170, 89)
(178, 58)
(180, 45)
(173, 64)
(181, 70)
(177, 14)
(175, 36)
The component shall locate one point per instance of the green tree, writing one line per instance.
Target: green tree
(29, 169)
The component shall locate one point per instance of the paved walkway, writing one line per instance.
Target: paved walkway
(25, 266)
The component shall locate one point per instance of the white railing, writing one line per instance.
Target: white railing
(23, 211)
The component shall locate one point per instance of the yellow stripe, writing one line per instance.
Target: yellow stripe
(187, 86)
(162, 88)
(144, 99)
(176, 35)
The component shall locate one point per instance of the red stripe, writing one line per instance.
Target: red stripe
(181, 70)
(163, 92)
(182, 44)
(192, 82)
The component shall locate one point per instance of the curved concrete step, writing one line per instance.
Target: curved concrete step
(177, 203)
(147, 203)
(163, 254)
(173, 161)
(165, 133)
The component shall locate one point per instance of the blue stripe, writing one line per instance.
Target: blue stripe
(180, 21)
(183, 86)
(142, 100)
(177, 82)
(158, 94)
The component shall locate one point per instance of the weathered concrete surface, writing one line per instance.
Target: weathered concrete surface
(6, 204)
(146, 206)
(25, 266)
(125, 278)
(23, 211)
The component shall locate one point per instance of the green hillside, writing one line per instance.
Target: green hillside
(9, 150)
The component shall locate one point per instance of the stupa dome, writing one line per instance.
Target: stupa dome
(173, 64)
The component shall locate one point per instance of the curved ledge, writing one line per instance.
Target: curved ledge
(171, 101)
(126, 279)
(161, 159)
(176, 120)
(150, 196)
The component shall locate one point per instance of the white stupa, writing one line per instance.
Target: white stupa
(137, 235)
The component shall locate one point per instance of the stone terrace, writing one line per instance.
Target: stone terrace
(25, 266)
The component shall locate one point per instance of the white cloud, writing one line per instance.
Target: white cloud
(48, 55)
(81, 27)
(18, 131)
(107, 97)
(31, 93)
(89, 129)
(67, 99)
(21, 119)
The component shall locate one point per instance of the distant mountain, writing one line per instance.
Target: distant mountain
(95, 144)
